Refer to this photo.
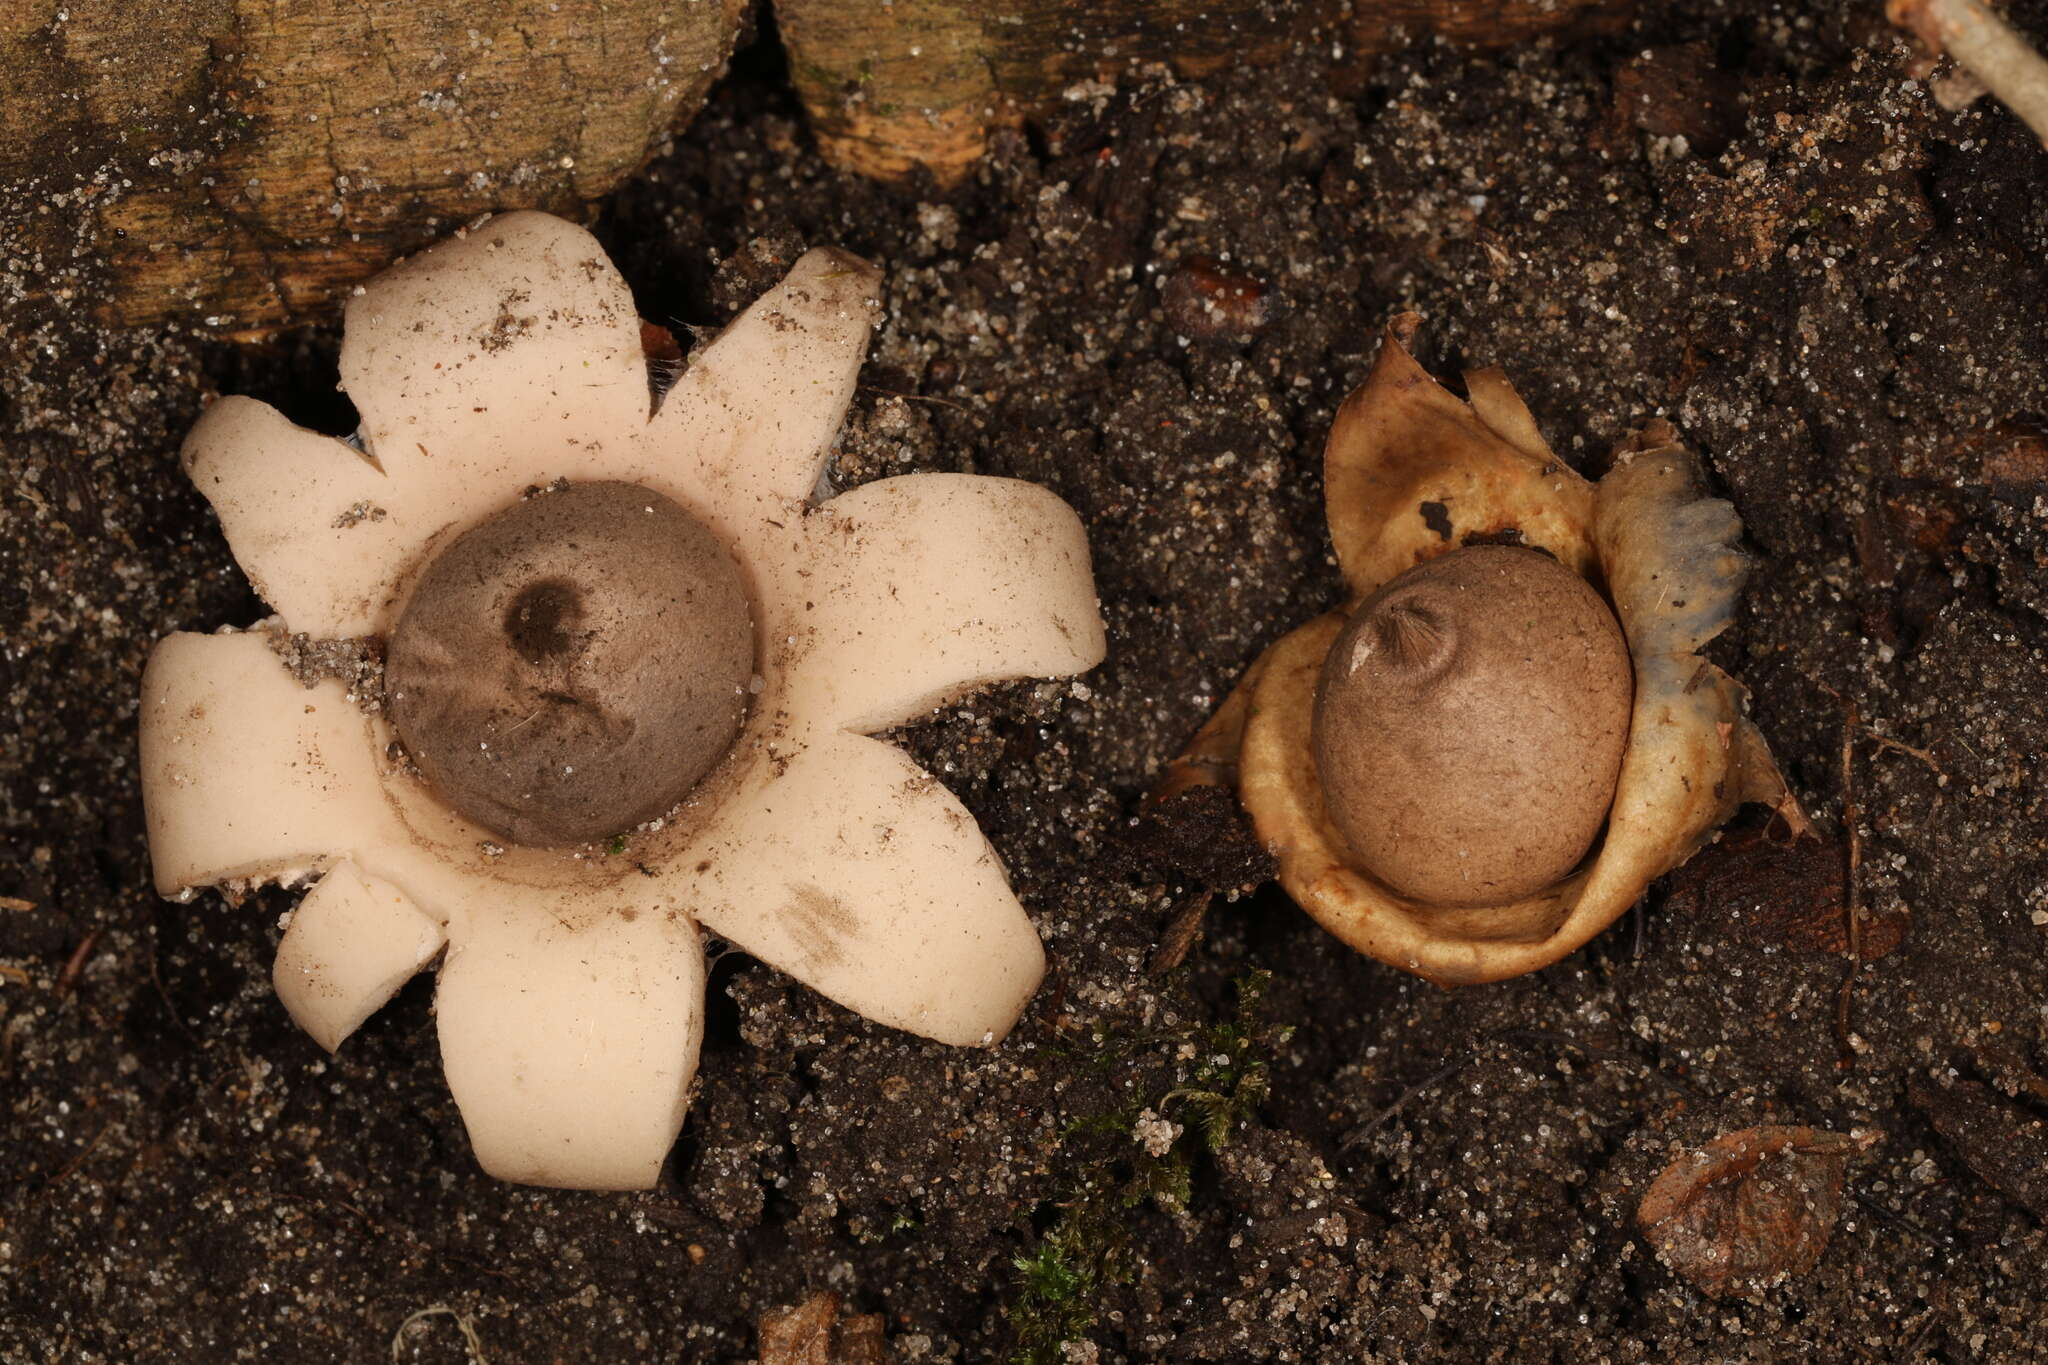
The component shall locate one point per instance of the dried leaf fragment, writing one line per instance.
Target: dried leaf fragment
(1751, 1209)
(1766, 894)
(2003, 1143)
(813, 1333)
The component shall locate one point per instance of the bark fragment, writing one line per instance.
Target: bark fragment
(246, 160)
(921, 84)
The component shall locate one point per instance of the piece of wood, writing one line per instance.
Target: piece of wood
(891, 87)
(243, 161)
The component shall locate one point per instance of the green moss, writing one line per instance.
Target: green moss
(1217, 1091)
(1055, 1300)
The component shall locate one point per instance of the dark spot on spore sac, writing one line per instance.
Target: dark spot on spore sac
(1437, 517)
(543, 622)
(570, 667)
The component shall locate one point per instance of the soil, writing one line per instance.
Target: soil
(1749, 219)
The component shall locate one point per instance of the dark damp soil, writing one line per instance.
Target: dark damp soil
(1748, 219)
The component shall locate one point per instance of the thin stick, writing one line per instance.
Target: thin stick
(922, 398)
(463, 1323)
(75, 968)
(71, 1166)
(15, 903)
(1885, 741)
(1380, 1119)
(1987, 47)
(1852, 903)
(1180, 935)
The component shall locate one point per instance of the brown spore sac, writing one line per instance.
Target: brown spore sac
(573, 666)
(1469, 726)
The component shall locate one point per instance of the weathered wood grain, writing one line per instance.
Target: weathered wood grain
(243, 160)
(898, 85)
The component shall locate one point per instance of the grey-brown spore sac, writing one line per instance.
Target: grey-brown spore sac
(1470, 723)
(575, 665)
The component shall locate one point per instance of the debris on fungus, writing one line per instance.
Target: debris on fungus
(662, 603)
(1415, 475)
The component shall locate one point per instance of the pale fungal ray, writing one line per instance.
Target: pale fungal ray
(751, 422)
(352, 942)
(312, 521)
(893, 904)
(506, 355)
(570, 1049)
(249, 777)
(931, 585)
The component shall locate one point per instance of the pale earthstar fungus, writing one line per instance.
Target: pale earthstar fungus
(1507, 732)
(602, 623)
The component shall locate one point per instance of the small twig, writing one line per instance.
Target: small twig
(1443, 1073)
(1885, 741)
(17, 975)
(1853, 915)
(1987, 47)
(1899, 1220)
(1596, 1054)
(1522, 1038)
(1919, 1341)
(1179, 935)
(156, 979)
(71, 1166)
(463, 1322)
(75, 966)
(1852, 902)
(922, 398)
(15, 903)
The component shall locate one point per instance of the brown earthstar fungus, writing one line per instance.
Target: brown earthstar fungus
(1460, 771)
(633, 662)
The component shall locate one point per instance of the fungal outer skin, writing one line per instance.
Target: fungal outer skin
(608, 1012)
(570, 1000)
(823, 896)
(352, 942)
(1410, 471)
(920, 634)
(1407, 462)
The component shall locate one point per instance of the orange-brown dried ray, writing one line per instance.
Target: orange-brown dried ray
(1411, 471)
(1751, 1209)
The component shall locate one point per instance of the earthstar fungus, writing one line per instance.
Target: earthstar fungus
(657, 630)
(1483, 816)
